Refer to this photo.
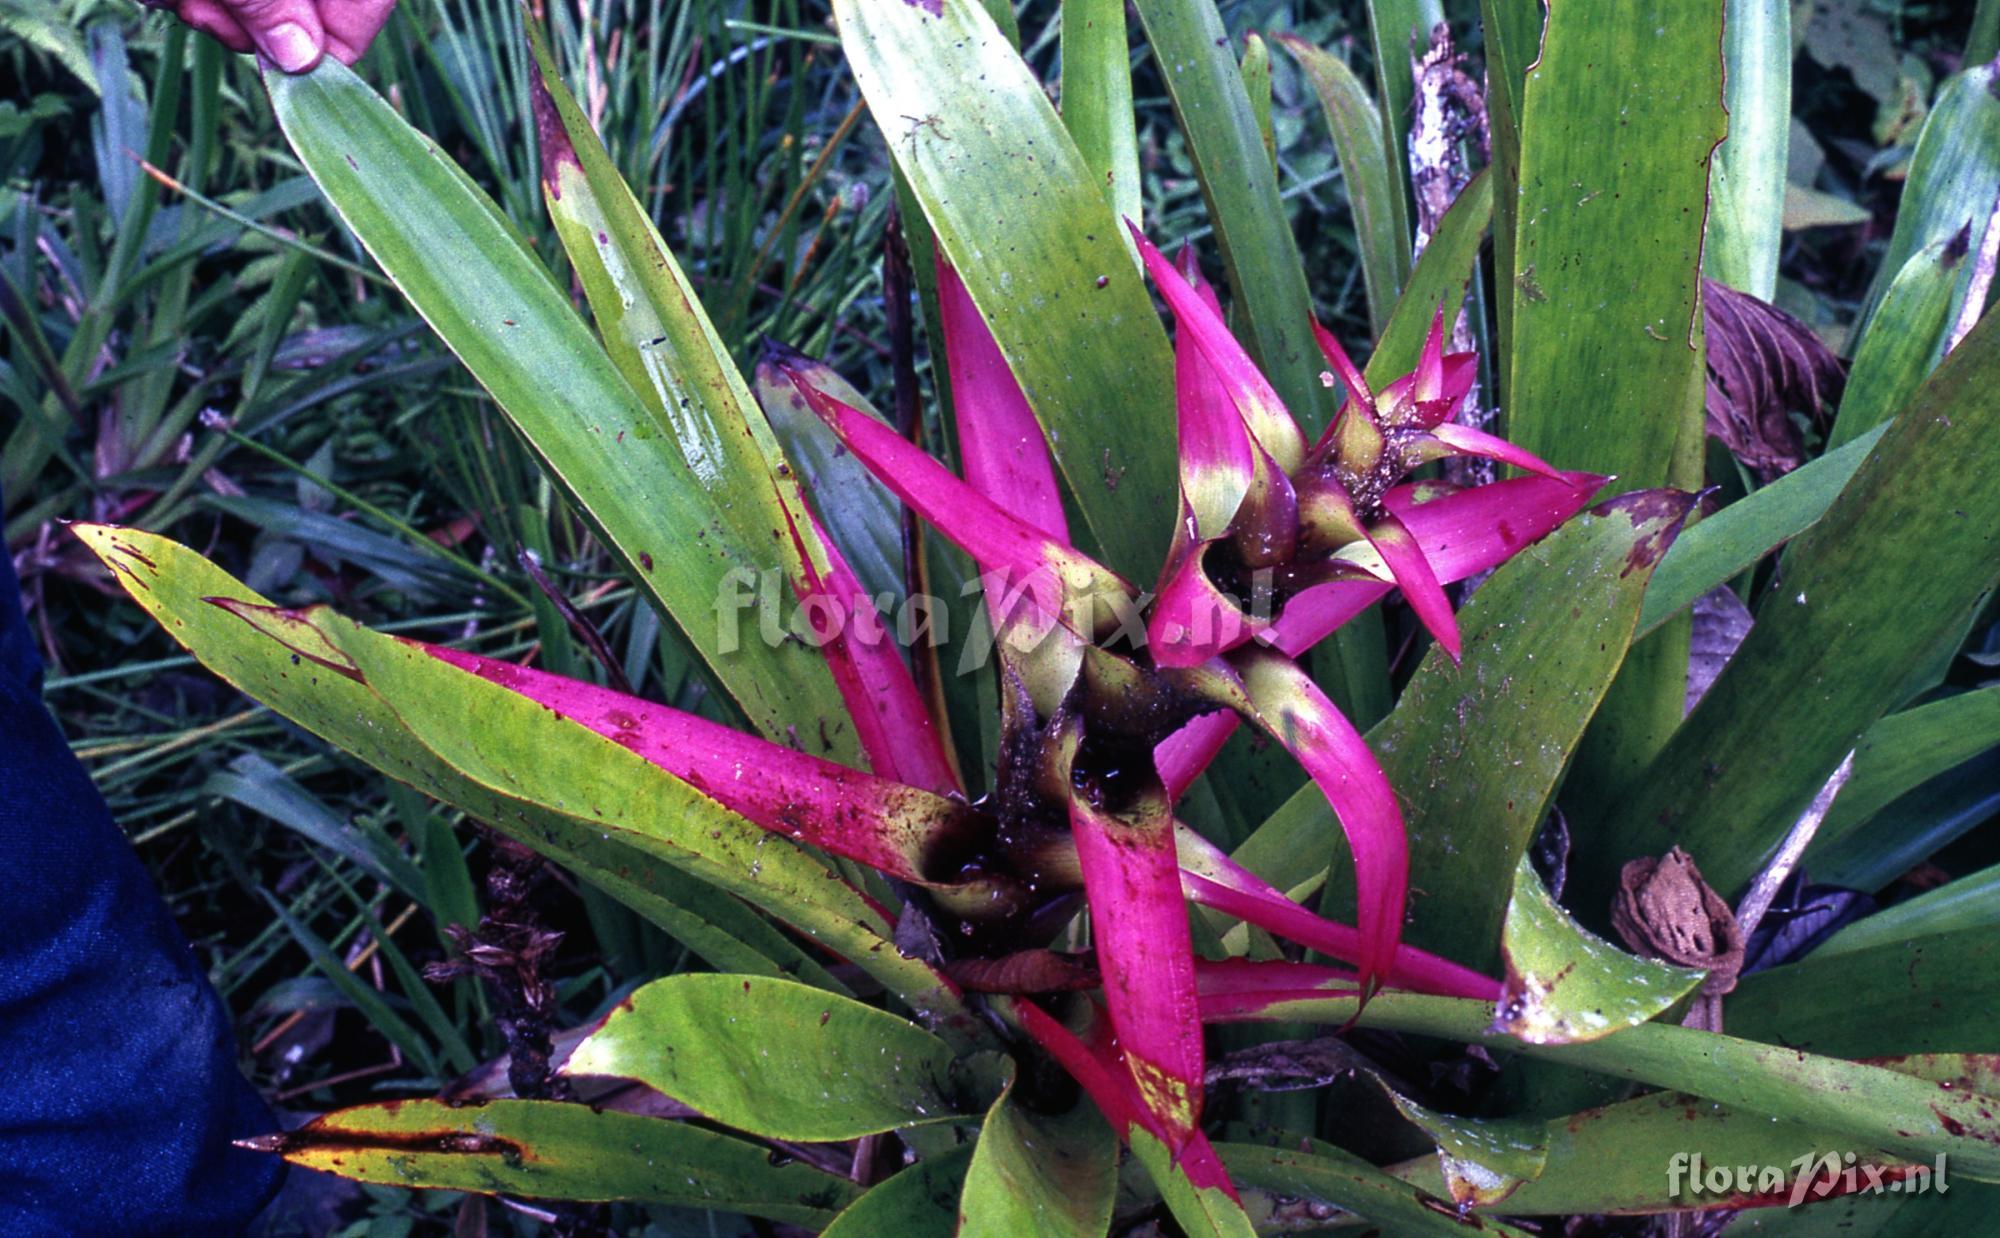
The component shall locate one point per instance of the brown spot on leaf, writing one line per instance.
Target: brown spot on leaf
(293, 630)
(550, 135)
(1664, 510)
(316, 1137)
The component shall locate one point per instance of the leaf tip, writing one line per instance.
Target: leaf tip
(550, 136)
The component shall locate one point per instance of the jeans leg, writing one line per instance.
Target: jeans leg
(119, 1092)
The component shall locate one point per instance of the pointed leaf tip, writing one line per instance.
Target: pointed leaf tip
(1418, 581)
(551, 139)
(1056, 583)
(1199, 321)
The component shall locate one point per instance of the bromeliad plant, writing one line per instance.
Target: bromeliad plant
(904, 942)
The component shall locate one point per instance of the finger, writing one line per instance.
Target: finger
(288, 32)
(351, 25)
(212, 19)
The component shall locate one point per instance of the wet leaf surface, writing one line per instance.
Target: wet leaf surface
(1566, 984)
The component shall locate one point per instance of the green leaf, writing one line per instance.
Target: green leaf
(176, 586)
(1565, 984)
(1871, 591)
(262, 787)
(1746, 218)
(1240, 185)
(466, 270)
(1037, 1174)
(1512, 31)
(1721, 547)
(1970, 902)
(1024, 220)
(919, 1201)
(1400, 30)
(1984, 41)
(663, 342)
(552, 1150)
(1480, 1160)
(863, 517)
(1374, 185)
(1909, 1117)
(1913, 828)
(1622, 1158)
(1097, 100)
(1813, 208)
(1256, 69)
(1907, 749)
(1935, 993)
(774, 1058)
(366, 999)
(1936, 1213)
(1902, 342)
(553, 785)
(1441, 276)
(1475, 750)
(1332, 1175)
(40, 24)
(1949, 187)
(1200, 1211)
(1603, 357)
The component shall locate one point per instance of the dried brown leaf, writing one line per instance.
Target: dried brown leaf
(1763, 365)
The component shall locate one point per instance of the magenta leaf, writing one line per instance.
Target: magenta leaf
(1216, 461)
(1000, 443)
(1354, 431)
(1468, 531)
(883, 824)
(1256, 401)
(1192, 618)
(1466, 441)
(1344, 369)
(1182, 756)
(1096, 1068)
(1239, 990)
(894, 725)
(1145, 952)
(1290, 707)
(1398, 548)
(1034, 570)
(1209, 877)
(1460, 533)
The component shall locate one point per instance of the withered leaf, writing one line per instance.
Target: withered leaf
(1763, 365)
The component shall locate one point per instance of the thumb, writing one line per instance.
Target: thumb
(287, 32)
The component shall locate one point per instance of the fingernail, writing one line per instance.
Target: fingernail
(290, 45)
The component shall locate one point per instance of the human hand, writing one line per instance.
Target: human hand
(292, 34)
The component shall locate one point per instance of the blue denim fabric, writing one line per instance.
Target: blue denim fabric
(119, 1092)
